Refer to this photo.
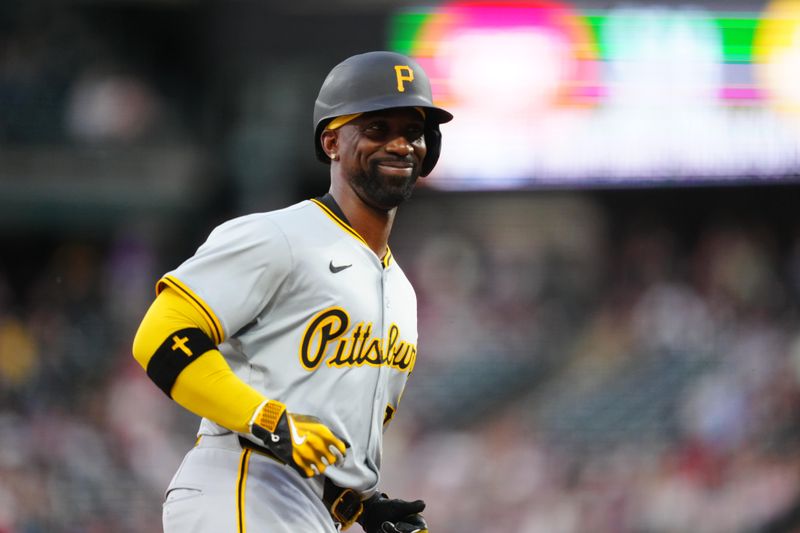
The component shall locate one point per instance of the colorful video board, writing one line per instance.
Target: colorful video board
(547, 94)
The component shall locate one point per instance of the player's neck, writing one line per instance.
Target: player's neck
(374, 225)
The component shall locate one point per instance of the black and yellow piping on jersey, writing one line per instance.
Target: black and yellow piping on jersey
(342, 223)
(218, 333)
(241, 487)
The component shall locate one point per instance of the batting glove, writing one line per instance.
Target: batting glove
(410, 524)
(385, 515)
(301, 441)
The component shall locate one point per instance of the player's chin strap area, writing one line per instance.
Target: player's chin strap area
(344, 505)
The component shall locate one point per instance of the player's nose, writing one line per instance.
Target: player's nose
(400, 146)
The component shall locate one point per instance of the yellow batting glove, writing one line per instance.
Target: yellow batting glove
(301, 441)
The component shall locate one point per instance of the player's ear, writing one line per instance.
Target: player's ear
(329, 139)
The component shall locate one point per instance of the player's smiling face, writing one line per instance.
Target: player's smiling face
(381, 153)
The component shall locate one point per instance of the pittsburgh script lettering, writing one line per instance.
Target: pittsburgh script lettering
(352, 347)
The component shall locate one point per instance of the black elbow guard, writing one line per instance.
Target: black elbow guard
(177, 352)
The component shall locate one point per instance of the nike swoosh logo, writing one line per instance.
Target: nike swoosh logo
(296, 439)
(339, 268)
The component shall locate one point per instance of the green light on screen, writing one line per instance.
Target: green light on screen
(404, 29)
(737, 37)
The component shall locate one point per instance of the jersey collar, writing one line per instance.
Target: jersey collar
(328, 204)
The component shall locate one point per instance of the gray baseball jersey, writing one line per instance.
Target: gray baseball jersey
(310, 316)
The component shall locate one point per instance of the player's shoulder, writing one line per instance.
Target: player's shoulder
(263, 222)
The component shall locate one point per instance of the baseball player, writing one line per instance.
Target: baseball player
(292, 333)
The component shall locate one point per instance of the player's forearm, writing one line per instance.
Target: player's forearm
(203, 382)
(209, 388)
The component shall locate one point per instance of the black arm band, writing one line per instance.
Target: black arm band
(177, 352)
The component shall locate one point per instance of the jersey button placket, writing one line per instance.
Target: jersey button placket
(374, 439)
(387, 301)
(385, 320)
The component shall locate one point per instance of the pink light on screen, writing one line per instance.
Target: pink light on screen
(516, 56)
(747, 94)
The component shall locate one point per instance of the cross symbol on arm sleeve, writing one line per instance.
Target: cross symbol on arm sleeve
(180, 344)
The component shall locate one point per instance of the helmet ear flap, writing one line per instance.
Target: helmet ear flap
(433, 143)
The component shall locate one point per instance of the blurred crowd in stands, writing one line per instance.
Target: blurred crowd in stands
(63, 80)
(570, 378)
(662, 370)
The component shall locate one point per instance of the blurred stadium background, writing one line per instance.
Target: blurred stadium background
(607, 260)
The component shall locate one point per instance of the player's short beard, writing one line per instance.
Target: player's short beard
(381, 191)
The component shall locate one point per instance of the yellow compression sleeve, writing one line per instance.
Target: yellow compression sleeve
(207, 387)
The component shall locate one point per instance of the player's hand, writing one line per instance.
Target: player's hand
(301, 441)
(386, 515)
(410, 524)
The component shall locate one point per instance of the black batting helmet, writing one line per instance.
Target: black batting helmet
(374, 81)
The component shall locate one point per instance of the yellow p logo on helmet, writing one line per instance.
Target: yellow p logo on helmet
(403, 73)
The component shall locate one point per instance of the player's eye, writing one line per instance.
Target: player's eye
(414, 133)
(377, 128)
